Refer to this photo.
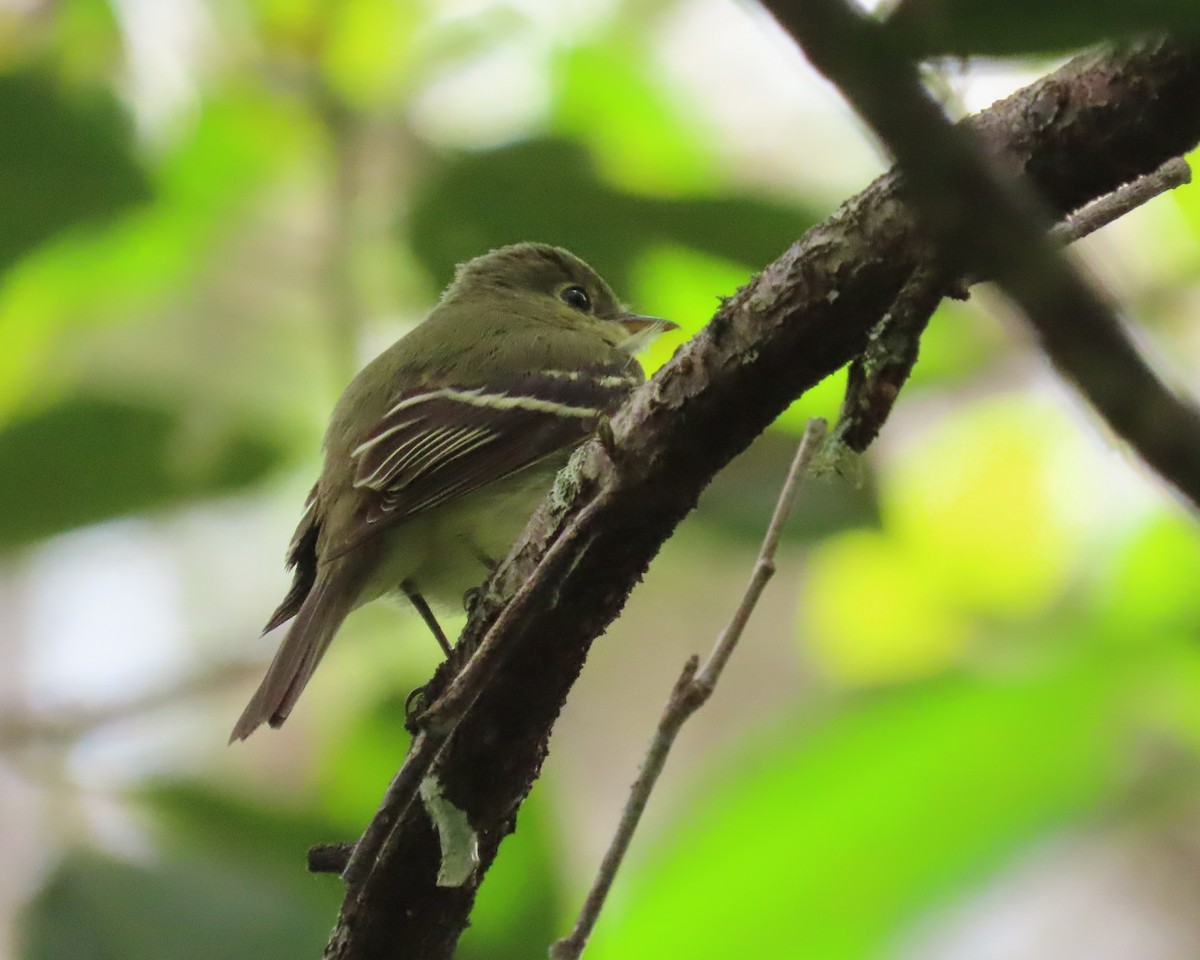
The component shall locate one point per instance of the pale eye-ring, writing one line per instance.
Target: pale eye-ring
(577, 297)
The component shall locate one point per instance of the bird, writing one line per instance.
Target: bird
(441, 447)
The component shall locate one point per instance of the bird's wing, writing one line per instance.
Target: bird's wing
(440, 442)
(302, 561)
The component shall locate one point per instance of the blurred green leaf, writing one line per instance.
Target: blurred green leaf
(65, 159)
(910, 628)
(89, 459)
(1015, 27)
(547, 190)
(369, 48)
(639, 138)
(739, 502)
(991, 515)
(121, 275)
(828, 842)
(87, 40)
(199, 817)
(684, 286)
(95, 907)
(354, 768)
(1151, 585)
(960, 341)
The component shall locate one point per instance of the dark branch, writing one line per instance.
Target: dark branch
(329, 857)
(986, 222)
(877, 376)
(1079, 133)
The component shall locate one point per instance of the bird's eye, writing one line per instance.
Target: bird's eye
(576, 297)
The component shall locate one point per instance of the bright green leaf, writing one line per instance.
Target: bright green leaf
(1153, 583)
(640, 140)
(830, 841)
(369, 50)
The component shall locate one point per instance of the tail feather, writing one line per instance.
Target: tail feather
(320, 615)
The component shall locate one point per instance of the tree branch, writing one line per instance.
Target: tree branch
(877, 376)
(956, 188)
(1079, 133)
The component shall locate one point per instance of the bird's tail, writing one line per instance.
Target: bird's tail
(328, 603)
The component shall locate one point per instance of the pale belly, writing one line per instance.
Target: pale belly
(445, 551)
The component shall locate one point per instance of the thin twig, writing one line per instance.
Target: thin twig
(329, 857)
(1104, 210)
(877, 375)
(692, 690)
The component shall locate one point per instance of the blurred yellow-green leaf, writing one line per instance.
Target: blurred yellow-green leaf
(872, 614)
(982, 506)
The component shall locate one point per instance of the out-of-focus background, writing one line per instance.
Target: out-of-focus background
(964, 722)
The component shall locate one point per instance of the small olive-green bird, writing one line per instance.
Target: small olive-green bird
(440, 449)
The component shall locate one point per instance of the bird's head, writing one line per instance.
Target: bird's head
(557, 286)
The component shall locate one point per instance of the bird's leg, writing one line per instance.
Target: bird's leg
(422, 608)
(484, 559)
(608, 440)
(472, 596)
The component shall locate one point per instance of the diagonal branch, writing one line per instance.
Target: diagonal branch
(956, 188)
(877, 376)
(1079, 133)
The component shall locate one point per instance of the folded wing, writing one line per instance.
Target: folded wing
(443, 441)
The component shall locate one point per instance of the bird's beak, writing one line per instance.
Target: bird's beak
(636, 324)
(642, 330)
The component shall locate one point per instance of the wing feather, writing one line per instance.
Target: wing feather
(444, 441)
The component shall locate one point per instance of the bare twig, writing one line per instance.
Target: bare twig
(329, 857)
(692, 690)
(1103, 211)
(877, 375)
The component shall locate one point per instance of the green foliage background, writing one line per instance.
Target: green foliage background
(976, 668)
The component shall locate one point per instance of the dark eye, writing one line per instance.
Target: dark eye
(577, 297)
